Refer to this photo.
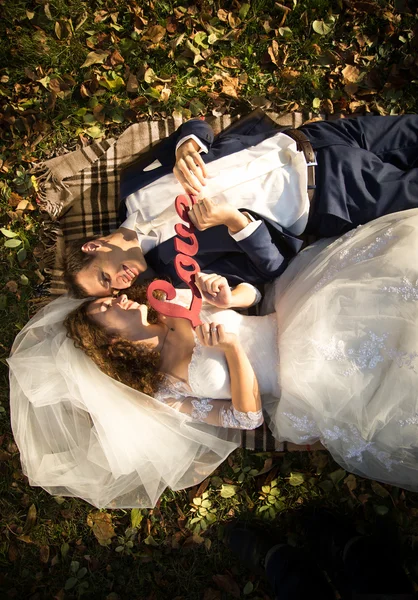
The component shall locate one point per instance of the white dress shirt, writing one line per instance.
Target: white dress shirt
(269, 178)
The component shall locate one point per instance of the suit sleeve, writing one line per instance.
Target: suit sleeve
(165, 152)
(267, 258)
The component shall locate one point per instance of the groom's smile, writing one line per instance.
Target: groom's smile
(116, 263)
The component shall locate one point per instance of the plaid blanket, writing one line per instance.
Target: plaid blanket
(80, 193)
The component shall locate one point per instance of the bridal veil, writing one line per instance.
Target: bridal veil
(81, 433)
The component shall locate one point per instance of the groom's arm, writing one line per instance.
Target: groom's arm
(267, 256)
(165, 152)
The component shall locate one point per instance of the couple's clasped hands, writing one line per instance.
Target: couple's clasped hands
(190, 170)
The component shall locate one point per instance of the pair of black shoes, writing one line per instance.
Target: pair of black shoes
(361, 567)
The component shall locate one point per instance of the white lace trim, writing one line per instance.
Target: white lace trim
(230, 417)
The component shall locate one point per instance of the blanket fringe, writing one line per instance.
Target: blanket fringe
(45, 177)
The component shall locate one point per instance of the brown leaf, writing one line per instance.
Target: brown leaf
(350, 89)
(44, 554)
(274, 52)
(328, 106)
(350, 74)
(363, 498)
(11, 286)
(98, 113)
(154, 33)
(230, 85)
(132, 84)
(228, 584)
(116, 58)
(30, 519)
(231, 62)
(202, 487)
(171, 25)
(101, 524)
(351, 482)
(30, 74)
(234, 20)
(84, 91)
(222, 15)
(289, 74)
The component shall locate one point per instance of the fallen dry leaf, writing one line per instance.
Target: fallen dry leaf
(95, 57)
(231, 62)
(101, 524)
(350, 89)
(11, 286)
(30, 519)
(350, 74)
(132, 84)
(155, 34)
(230, 86)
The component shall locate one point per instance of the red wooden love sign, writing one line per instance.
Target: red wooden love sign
(186, 267)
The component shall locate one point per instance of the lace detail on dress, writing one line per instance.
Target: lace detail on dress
(408, 291)
(176, 390)
(233, 418)
(306, 426)
(356, 445)
(201, 409)
(371, 351)
(353, 255)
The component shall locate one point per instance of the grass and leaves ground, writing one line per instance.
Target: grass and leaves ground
(72, 72)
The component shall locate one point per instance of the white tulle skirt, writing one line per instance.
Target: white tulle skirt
(348, 346)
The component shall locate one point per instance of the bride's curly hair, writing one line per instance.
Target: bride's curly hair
(135, 365)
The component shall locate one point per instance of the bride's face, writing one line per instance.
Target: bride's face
(122, 317)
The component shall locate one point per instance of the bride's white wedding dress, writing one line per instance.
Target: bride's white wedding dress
(338, 361)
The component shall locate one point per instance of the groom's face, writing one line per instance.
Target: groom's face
(112, 268)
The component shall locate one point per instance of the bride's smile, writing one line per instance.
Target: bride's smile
(126, 318)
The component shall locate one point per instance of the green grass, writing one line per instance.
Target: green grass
(39, 557)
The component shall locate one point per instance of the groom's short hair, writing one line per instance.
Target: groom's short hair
(74, 261)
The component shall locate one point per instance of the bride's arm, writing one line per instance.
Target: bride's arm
(244, 411)
(246, 401)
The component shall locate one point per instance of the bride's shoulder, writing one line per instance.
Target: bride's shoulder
(171, 387)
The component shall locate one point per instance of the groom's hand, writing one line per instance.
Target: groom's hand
(206, 214)
(190, 170)
(214, 289)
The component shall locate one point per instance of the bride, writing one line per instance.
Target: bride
(157, 404)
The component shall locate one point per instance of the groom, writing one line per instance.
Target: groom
(259, 189)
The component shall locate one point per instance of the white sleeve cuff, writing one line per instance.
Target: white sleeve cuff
(202, 146)
(257, 293)
(247, 231)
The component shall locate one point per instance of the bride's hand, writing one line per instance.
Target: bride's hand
(211, 334)
(214, 289)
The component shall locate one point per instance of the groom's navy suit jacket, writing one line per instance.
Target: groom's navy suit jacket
(260, 257)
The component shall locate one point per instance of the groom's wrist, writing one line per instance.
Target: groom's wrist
(237, 222)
